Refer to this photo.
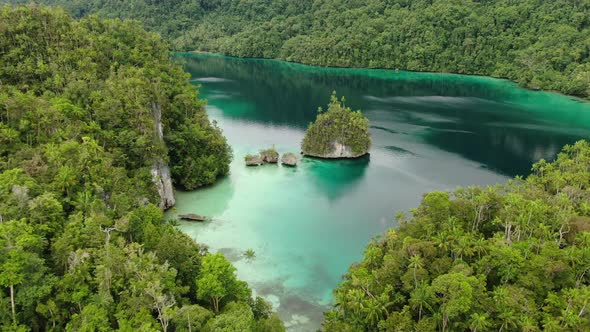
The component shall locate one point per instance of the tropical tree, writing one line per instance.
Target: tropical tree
(218, 281)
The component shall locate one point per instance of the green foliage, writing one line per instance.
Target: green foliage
(92, 318)
(237, 317)
(120, 90)
(20, 258)
(199, 154)
(270, 324)
(509, 257)
(339, 124)
(191, 318)
(218, 282)
(537, 43)
(249, 254)
(83, 245)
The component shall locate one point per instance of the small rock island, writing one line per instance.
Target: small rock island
(253, 160)
(269, 156)
(337, 133)
(289, 159)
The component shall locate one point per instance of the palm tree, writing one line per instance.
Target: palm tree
(479, 322)
(508, 319)
(528, 324)
(416, 262)
(84, 202)
(375, 311)
(354, 304)
(420, 299)
(442, 241)
(463, 246)
(65, 179)
(480, 246)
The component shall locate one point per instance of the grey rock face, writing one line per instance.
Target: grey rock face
(163, 181)
(269, 156)
(289, 159)
(339, 151)
(160, 170)
(271, 159)
(254, 160)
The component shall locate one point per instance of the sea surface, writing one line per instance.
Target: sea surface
(308, 224)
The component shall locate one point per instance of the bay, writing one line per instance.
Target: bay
(308, 224)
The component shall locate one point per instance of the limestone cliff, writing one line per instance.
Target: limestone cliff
(163, 182)
(336, 151)
(160, 169)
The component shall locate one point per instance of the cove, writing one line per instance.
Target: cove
(308, 224)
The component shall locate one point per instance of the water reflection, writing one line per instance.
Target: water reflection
(488, 121)
(308, 224)
(335, 178)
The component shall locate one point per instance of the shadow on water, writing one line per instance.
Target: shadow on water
(398, 151)
(286, 93)
(504, 150)
(503, 136)
(334, 178)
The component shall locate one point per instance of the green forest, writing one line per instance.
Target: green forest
(83, 244)
(90, 103)
(541, 44)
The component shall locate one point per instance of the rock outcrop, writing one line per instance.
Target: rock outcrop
(160, 170)
(338, 151)
(270, 156)
(253, 160)
(163, 181)
(289, 159)
(337, 133)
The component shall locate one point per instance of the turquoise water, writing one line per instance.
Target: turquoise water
(308, 224)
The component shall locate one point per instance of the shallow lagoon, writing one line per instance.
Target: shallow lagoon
(308, 224)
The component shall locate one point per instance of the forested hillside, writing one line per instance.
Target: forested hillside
(539, 43)
(514, 257)
(86, 108)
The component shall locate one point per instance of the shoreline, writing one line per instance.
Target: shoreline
(393, 70)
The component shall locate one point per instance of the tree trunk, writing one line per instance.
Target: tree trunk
(163, 321)
(52, 317)
(215, 304)
(12, 304)
(188, 320)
